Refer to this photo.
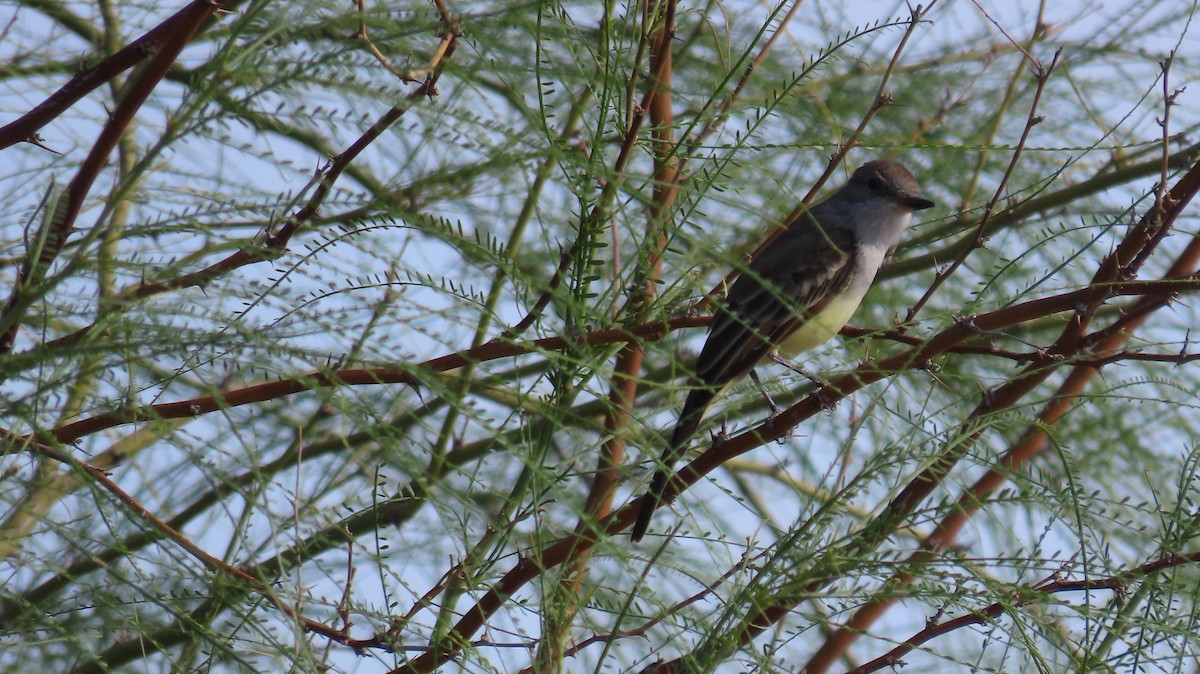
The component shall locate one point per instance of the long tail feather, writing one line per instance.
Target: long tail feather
(689, 420)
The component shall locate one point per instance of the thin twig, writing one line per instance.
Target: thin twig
(882, 99)
(1022, 597)
(25, 127)
(405, 77)
(63, 216)
(1029, 445)
(1068, 344)
(526, 570)
(1032, 120)
(254, 393)
(270, 245)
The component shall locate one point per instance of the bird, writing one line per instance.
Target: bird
(795, 295)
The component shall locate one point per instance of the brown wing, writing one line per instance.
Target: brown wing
(792, 279)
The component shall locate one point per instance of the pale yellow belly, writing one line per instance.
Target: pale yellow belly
(818, 329)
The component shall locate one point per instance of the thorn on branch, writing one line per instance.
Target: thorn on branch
(1164, 64)
(1128, 272)
(989, 397)
(824, 401)
(1082, 311)
(270, 240)
(1065, 568)
(968, 323)
(37, 141)
(721, 436)
(1045, 356)
(933, 620)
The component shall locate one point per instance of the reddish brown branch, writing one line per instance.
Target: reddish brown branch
(1031, 444)
(255, 393)
(25, 127)
(627, 370)
(1041, 355)
(272, 244)
(1032, 120)
(1022, 597)
(644, 628)
(213, 563)
(405, 77)
(623, 389)
(927, 349)
(564, 263)
(1004, 397)
(779, 426)
(61, 216)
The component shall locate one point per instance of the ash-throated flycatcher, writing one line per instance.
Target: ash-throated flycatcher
(800, 291)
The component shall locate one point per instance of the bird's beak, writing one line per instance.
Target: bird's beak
(917, 203)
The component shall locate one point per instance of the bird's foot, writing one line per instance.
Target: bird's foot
(767, 396)
(721, 436)
(824, 401)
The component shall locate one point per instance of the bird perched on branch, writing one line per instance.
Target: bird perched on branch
(800, 291)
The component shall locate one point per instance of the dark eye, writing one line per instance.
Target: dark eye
(873, 184)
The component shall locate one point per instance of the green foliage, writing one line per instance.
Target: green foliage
(272, 405)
